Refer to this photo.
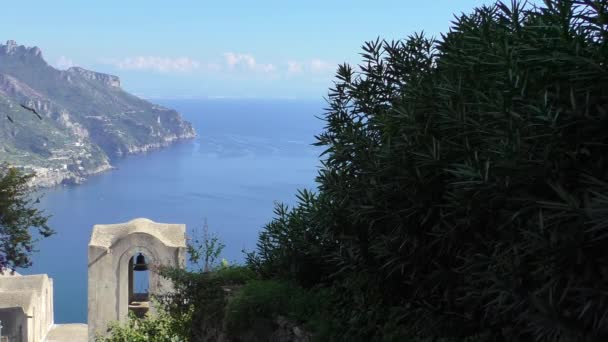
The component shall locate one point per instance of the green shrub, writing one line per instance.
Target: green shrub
(201, 298)
(464, 183)
(233, 275)
(293, 245)
(160, 327)
(260, 302)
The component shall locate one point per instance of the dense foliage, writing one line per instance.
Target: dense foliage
(259, 302)
(464, 188)
(463, 195)
(18, 217)
(201, 298)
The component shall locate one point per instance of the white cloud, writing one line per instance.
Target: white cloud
(233, 60)
(268, 68)
(246, 61)
(294, 67)
(64, 63)
(230, 62)
(313, 66)
(161, 64)
(318, 65)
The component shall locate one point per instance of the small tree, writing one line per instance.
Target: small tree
(205, 250)
(18, 216)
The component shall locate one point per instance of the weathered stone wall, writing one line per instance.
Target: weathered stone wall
(33, 294)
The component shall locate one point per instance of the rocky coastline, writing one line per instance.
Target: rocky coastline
(48, 177)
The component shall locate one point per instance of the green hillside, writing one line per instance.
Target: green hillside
(67, 124)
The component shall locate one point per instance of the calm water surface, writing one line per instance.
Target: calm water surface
(249, 153)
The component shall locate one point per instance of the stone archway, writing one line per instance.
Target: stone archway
(125, 270)
(110, 251)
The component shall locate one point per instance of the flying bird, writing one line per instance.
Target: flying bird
(10, 119)
(32, 110)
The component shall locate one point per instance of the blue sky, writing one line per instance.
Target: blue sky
(198, 48)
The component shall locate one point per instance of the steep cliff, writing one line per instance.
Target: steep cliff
(67, 124)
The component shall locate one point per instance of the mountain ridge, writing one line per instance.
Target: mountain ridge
(65, 125)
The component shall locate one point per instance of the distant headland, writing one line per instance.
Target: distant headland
(65, 125)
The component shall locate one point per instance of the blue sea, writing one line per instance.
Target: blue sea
(248, 155)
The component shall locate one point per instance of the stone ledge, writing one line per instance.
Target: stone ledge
(74, 332)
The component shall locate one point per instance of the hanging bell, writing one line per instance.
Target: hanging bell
(140, 263)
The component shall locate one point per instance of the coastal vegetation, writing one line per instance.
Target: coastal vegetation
(462, 197)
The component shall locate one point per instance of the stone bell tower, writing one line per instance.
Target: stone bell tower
(116, 251)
